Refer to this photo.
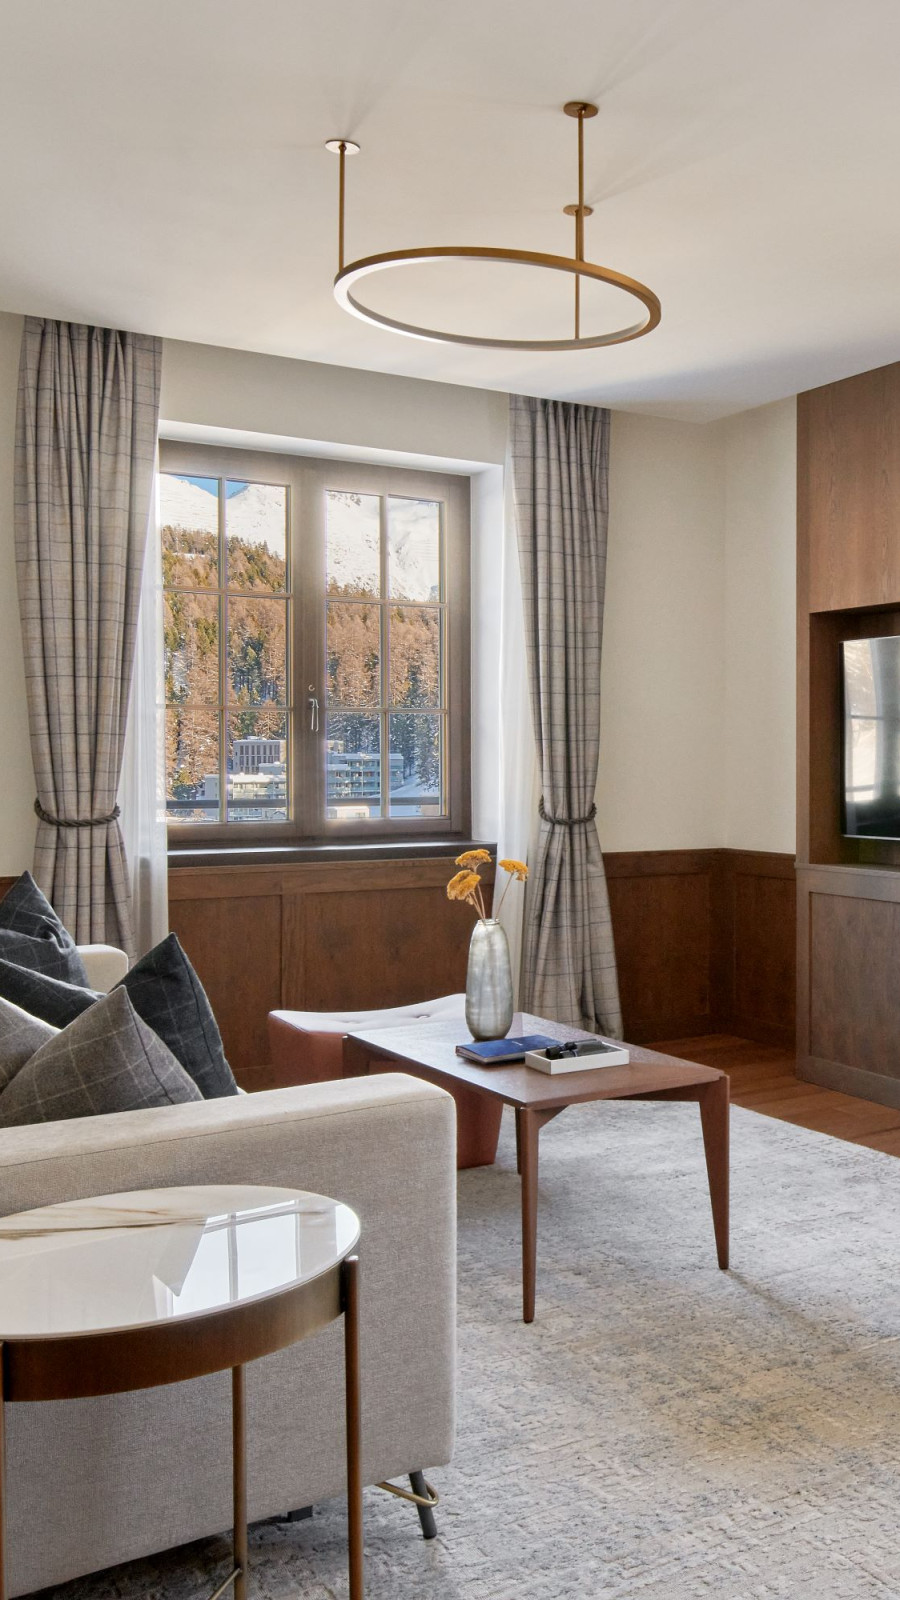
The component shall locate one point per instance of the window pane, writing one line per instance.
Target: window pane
(191, 645)
(414, 549)
(257, 652)
(353, 654)
(352, 766)
(353, 544)
(416, 775)
(256, 536)
(189, 531)
(415, 641)
(192, 765)
(257, 766)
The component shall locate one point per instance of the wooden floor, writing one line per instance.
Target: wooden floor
(763, 1078)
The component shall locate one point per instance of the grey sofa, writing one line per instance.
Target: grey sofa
(94, 1482)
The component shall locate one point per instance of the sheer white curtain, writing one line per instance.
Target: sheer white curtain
(519, 785)
(142, 789)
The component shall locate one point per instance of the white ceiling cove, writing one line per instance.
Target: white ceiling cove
(163, 169)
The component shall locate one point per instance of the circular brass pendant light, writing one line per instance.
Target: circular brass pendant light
(352, 273)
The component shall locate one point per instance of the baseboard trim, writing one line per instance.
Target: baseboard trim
(850, 1080)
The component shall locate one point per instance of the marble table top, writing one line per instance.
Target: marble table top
(133, 1260)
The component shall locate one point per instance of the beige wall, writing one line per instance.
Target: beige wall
(209, 387)
(17, 776)
(760, 628)
(660, 785)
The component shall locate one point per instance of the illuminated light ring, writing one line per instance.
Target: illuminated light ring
(367, 265)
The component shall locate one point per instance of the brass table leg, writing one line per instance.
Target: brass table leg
(239, 1479)
(350, 1277)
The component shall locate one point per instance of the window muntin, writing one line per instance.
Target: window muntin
(385, 684)
(227, 600)
(366, 681)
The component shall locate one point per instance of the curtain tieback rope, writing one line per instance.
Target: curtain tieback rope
(565, 822)
(61, 822)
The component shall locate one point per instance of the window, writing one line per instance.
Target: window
(316, 648)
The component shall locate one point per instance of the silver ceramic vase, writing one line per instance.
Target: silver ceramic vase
(489, 990)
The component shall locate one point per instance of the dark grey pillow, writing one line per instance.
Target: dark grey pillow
(32, 935)
(165, 992)
(20, 1037)
(106, 1060)
(51, 999)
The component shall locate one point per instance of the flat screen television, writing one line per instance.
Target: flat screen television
(871, 669)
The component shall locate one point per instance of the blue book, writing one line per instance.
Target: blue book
(500, 1052)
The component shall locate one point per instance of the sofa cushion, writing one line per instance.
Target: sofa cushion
(20, 1037)
(166, 994)
(106, 1060)
(32, 935)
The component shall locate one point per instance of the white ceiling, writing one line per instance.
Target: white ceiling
(163, 169)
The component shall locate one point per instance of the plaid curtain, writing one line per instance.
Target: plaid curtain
(560, 467)
(86, 426)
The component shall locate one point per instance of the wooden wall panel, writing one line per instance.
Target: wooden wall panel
(386, 948)
(235, 945)
(661, 907)
(849, 471)
(848, 1035)
(317, 937)
(759, 897)
(705, 942)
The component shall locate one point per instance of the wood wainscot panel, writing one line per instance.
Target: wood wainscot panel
(661, 906)
(759, 906)
(705, 942)
(317, 936)
(850, 1039)
(5, 885)
(234, 941)
(369, 934)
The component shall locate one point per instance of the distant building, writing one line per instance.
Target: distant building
(356, 774)
(248, 755)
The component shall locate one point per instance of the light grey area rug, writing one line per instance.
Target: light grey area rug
(663, 1429)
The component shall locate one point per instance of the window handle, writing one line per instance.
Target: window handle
(313, 709)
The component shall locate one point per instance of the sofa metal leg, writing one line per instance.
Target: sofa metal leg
(424, 1494)
(424, 1499)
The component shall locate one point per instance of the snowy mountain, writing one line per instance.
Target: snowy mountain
(183, 504)
(256, 514)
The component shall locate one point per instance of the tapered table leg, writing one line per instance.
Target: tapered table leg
(239, 1480)
(714, 1107)
(528, 1129)
(354, 1458)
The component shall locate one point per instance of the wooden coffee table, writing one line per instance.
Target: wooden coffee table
(429, 1051)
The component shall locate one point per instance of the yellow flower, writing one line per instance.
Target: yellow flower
(473, 858)
(463, 886)
(516, 869)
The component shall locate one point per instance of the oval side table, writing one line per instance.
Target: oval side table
(184, 1282)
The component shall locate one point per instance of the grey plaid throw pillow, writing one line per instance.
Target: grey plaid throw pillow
(165, 992)
(106, 1060)
(51, 999)
(20, 1037)
(32, 935)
